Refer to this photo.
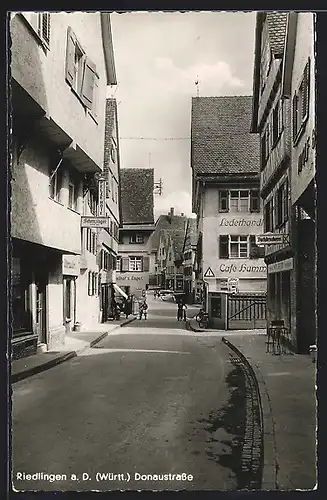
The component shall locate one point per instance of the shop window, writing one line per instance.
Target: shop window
(20, 300)
(135, 264)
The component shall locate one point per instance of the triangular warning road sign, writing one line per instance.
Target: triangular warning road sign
(209, 273)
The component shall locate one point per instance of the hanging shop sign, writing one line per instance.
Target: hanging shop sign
(283, 265)
(271, 239)
(95, 222)
(102, 198)
(70, 265)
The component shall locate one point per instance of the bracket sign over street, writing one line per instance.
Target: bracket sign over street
(272, 239)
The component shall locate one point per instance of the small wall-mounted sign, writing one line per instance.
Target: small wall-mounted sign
(271, 239)
(95, 222)
(209, 273)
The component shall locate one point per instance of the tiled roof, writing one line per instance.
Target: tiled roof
(137, 186)
(177, 240)
(166, 222)
(191, 233)
(110, 117)
(221, 138)
(277, 23)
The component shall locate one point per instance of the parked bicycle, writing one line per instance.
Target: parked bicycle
(202, 318)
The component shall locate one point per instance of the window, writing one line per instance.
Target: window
(239, 201)
(40, 23)
(91, 241)
(81, 73)
(223, 201)
(135, 263)
(265, 145)
(277, 122)
(72, 191)
(266, 58)
(238, 247)
(269, 216)
(92, 283)
(136, 238)
(118, 264)
(233, 246)
(55, 184)
(282, 204)
(93, 202)
(89, 283)
(300, 104)
(255, 200)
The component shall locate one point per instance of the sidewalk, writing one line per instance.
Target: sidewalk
(75, 343)
(287, 390)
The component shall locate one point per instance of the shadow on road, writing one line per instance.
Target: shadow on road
(226, 427)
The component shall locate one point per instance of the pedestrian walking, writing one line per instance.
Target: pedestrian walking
(179, 310)
(143, 309)
(184, 309)
(128, 306)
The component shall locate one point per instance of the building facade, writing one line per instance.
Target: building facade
(158, 245)
(137, 185)
(192, 286)
(174, 276)
(225, 197)
(272, 120)
(299, 89)
(60, 68)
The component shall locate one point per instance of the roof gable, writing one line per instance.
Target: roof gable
(137, 202)
(166, 222)
(221, 139)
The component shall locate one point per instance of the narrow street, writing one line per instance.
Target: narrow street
(152, 398)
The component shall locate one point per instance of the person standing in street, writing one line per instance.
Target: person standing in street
(143, 309)
(179, 310)
(184, 308)
(128, 306)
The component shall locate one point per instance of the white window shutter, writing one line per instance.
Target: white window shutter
(70, 56)
(88, 82)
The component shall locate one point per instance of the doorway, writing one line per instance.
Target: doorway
(40, 316)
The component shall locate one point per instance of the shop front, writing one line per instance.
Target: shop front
(279, 291)
(70, 272)
(30, 266)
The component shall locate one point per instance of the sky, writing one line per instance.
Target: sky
(159, 57)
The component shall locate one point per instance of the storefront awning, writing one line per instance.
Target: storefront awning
(120, 291)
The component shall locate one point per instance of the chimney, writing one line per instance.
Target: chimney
(182, 214)
(171, 213)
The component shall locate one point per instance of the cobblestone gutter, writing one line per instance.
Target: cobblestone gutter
(252, 459)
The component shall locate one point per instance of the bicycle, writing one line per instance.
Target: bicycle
(204, 321)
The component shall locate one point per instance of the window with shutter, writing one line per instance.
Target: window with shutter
(294, 116)
(44, 27)
(223, 246)
(125, 264)
(223, 201)
(70, 57)
(254, 201)
(145, 264)
(300, 108)
(256, 252)
(88, 82)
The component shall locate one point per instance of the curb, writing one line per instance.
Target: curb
(16, 377)
(270, 465)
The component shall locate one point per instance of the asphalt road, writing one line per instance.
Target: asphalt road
(150, 399)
